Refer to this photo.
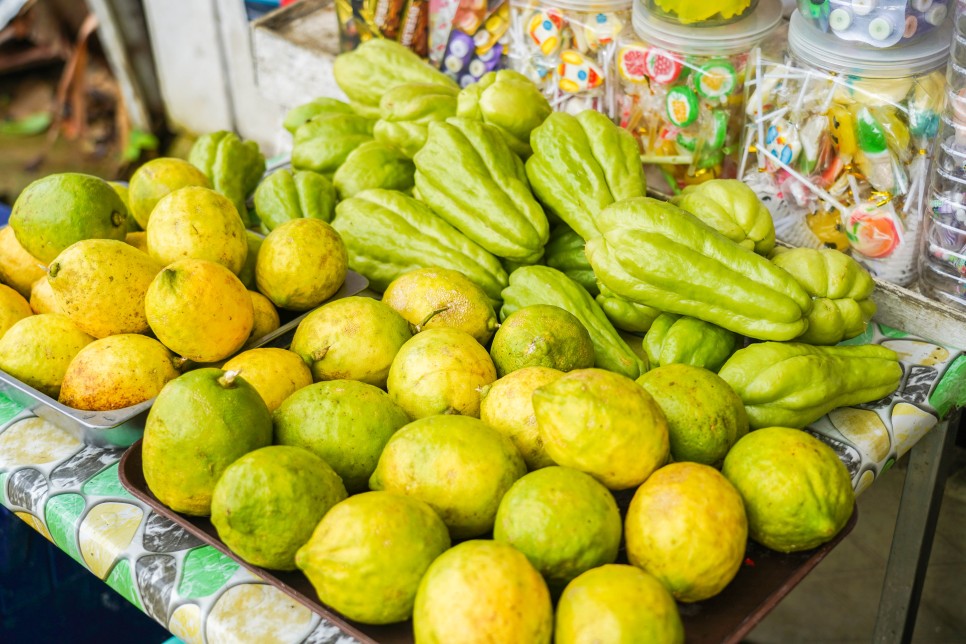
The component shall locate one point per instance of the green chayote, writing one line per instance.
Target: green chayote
(323, 143)
(733, 209)
(790, 384)
(544, 285)
(308, 111)
(582, 164)
(565, 252)
(233, 166)
(468, 175)
(406, 111)
(374, 165)
(625, 314)
(656, 254)
(286, 194)
(378, 65)
(509, 101)
(841, 292)
(679, 339)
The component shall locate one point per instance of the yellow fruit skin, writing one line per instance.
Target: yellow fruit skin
(617, 604)
(268, 502)
(440, 371)
(13, 308)
(42, 298)
(353, 338)
(100, 285)
(156, 179)
(138, 239)
(507, 407)
(704, 414)
(197, 223)
(199, 310)
(116, 372)
(368, 554)
(274, 373)
(266, 317)
(541, 335)
(301, 264)
(38, 349)
(692, 504)
(439, 297)
(482, 592)
(457, 465)
(797, 491)
(199, 424)
(18, 268)
(604, 424)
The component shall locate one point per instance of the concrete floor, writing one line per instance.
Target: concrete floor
(838, 601)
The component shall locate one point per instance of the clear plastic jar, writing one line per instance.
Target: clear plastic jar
(877, 23)
(838, 142)
(567, 47)
(701, 13)
(682, 93)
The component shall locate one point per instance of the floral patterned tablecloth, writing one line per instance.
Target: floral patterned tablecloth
(70, 493)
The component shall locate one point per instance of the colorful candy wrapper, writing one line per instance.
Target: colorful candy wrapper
(414, 30)
(475, 43)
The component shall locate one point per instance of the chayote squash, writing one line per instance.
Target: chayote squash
(378, 65)
(544, 285)
(565, 252)
(406, 111)
(233, 166)
(374, 165)
(286, 194)
(582, 164)
(790, 384)
(625, 314)
(323, 143)
(656, 254)
(387, 234)
(508, 100)
(308, 111)
(841, 292)
(468, 175)
(679, 339)
(733, 209)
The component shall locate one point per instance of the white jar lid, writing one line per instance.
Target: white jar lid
(737, 37)
(583, 6)
(830, 53)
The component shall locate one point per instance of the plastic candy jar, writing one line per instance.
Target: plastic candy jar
(878, 23)
(701, 12)
(682, 93)
(567, 47)
(838, 141)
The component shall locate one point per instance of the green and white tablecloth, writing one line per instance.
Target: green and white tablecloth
(70, 493)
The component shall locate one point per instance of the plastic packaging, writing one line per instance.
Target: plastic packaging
(404, 21)
(942, 273)
(568, 48)
(877, 23)
(467, 38)
(701, 13)
(681, 92)
(838, 141)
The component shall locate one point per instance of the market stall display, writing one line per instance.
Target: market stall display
(422, 430)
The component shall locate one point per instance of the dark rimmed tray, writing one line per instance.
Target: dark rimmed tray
(764, 579)
(121, 427)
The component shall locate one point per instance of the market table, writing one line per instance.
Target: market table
(71, 493)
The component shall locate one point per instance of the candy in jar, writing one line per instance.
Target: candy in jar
(466, 37)
(838, 142)
(568, 49)
(681, 93)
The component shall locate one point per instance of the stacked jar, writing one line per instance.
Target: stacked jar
(942, 273)
(567, 47)
(838, 140)
(875, 23)
(681, 88)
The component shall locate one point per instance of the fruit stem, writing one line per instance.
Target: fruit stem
(227, 380)
(419, 327)
(53, 269)
(118, 218)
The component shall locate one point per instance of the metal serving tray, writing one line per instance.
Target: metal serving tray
(122, 427)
